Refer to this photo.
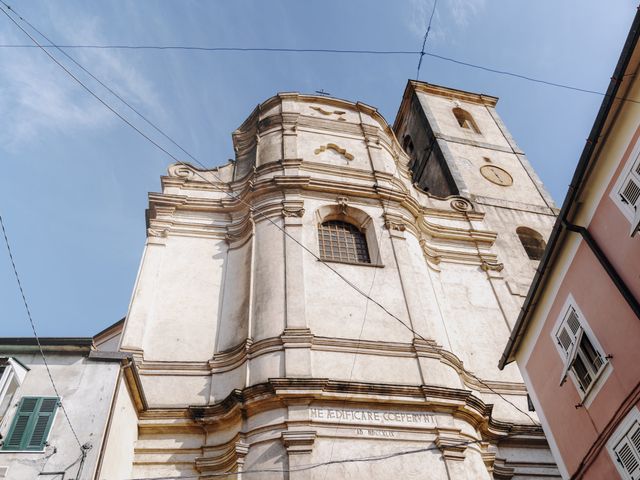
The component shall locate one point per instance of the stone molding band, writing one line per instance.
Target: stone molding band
(238, 355)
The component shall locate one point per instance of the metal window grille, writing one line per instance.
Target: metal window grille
(342, 242)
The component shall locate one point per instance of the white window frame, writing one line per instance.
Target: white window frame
(569, 353)
(14, 371)
(630, 170)
(631, 421)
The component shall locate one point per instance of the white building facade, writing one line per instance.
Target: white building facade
(49, 432)
(334, 302)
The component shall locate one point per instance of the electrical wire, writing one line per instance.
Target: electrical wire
(109, 89)
(35, 334)
(311, 466)
(237, 198)
(424, 41)
(323, 50)
(219, 49)
(378, 260)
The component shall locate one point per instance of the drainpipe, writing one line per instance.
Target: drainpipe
(606, 265)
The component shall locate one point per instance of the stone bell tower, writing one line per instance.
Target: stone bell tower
(330, 295)
(459, 145)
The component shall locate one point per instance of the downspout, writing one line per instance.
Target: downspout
(606, 265)
(576, 181)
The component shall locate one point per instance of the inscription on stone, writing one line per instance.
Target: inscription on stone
(372, 432)
(382, 417)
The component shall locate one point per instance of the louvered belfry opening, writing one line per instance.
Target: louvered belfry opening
(342, 242)
(532, 242)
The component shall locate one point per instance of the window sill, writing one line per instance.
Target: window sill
(357, 264)
(2, 450)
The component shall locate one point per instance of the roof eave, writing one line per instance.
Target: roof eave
(584, 165)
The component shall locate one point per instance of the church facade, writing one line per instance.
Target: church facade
(333, 303)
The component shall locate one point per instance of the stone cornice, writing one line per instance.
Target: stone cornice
(447, 92)
(280, 391)
(440, 242)
(236, 356)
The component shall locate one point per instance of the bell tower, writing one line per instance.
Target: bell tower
(460, 146)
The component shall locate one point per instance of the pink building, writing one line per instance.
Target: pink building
(577, 339)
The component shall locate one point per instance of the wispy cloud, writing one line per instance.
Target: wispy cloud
(38, 97)
(448, 12)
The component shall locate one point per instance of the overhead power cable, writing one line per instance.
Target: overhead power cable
(312, 466)
(35, 333)
(321, 50)
(217, 49)
(232, 196)
(426, 36)
(109, 89)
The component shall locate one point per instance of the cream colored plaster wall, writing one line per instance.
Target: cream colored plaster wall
(470, 159)
(120, 440)
(195, 267)
(233, 320)
(228, 312)
(446, 123)
(176, 389)
(268, 285)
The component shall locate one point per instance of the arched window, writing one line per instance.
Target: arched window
(407, 145)
(532, 242)
(342, 242)
(465, 120)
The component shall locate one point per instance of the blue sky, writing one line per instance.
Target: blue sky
(74, 180)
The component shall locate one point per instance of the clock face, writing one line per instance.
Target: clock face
(496, 175)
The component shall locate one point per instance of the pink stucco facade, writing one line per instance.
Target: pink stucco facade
(582, 424)
(617, 329)
(577, 338)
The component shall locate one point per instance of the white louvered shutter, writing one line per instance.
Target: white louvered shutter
(630, 191)
(568, 331)
(628, 452)
(630, 194)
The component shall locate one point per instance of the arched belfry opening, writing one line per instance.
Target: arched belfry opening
(465, 120)
(532, 241)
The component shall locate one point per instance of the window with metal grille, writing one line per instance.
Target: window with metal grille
(532, 242)
(342, 242)
(582, 358)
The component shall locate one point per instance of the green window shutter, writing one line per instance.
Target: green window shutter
(31, 424)
(18, 431)
(42, 423)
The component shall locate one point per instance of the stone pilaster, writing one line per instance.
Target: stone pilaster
(453, 453)
(299, 445)
(296, 336)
